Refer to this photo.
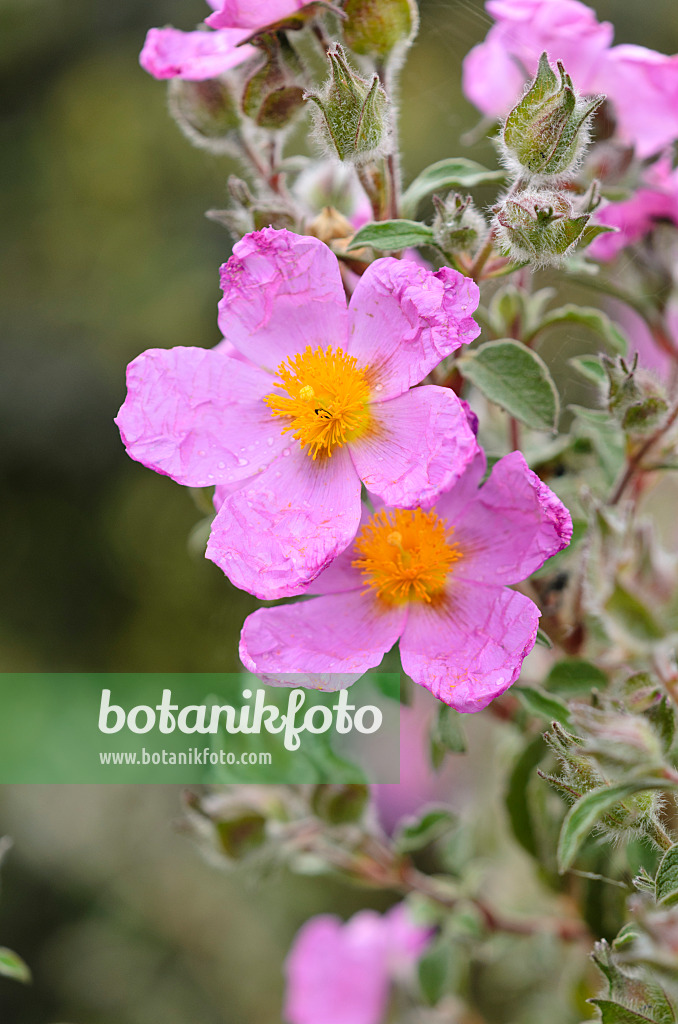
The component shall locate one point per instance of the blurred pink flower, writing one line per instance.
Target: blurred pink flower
(323, 403)
(253, 15)
(656, 199)
(341, 972)
(436, 581)
(495, 71)
(171, 53)
(641, 84)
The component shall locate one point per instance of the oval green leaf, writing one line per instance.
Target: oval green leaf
(392, 235)
(457, 172)
(516, 379)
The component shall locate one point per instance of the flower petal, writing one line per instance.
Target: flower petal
(514, 524)
(337, 973)
(282, 292)
(340, 575)
(471, 648)
(196, 415)
(421, 442)
(405, 319)
(276, 534)
(331, 640)
(170, 53)
(253, 14)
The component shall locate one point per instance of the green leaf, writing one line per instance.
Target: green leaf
(583, 817)
(392, 235)
(415, 833)
(632, 615)
(543, 705)
(613, 1013)
(447, 735)
(543, 639)
(591, 368)
(575, 676)
(586, 316)
(516, 379)
(591, 232)
(456, 172)
(12, 966)
(666, 882)
(517, 803)
(435, 971)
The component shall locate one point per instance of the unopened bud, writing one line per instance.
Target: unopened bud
(547, 132)
(353, 115)
(539, 226)
(275, 94)
(205, 111)
(457, 225)
(340, 804)
(330, 225)
(376, 28)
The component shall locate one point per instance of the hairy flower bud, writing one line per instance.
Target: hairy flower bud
(376, 28)
(353, 117)
(546, 133)
(635, 398)
(274, 94)
(205, 111)
(457, 225)
(539, 226)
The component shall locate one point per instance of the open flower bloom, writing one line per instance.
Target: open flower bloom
(321, 402)
(437, 581)
(641, 84)
(341, 973)
(254, 15)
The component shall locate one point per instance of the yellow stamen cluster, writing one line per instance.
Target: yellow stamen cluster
(406, 555)
(325, 399)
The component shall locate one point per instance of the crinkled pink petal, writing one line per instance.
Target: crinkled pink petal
(336, 973)
(253, 14)
(196, 415)
(170, 53)
(405, 319)
(420, 444)
(514, 524)
(406, 940)
(340, 635)
(452, 503)
(470, 648)
(643, 86)
(341, 576)
(282, 292)
(275, 534)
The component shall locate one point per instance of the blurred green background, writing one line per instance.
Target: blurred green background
(105, 252)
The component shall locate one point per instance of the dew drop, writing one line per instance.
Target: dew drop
(270, 441)
(222, 465)
(243, 462)
(286, 452)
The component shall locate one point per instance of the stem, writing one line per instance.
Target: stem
(634, 463)
(514, 434)
(483, 256)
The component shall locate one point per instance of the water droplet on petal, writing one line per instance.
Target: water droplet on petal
(270, 441)
(286, 452)
(243, 462)
(222, 465)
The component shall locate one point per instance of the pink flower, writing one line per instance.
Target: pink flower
(434, 580)
(643, 86)
(170, 53)
(321, 403)
(656, 199)
(254, 15)
(341, 973)
(496, 70)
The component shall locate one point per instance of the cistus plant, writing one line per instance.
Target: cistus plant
(381, 430)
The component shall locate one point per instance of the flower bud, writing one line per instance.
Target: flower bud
(457, 225)
(274, 93)
(635, 398)
(542, 226)
(375, 28)
(546, 133)
(340, 804)
(353, 116)
(205, 111)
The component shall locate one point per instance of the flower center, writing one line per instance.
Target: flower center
(325, 396)
(406, 555)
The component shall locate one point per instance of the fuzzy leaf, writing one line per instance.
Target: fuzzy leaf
(392, 235)
(614, 1013)
(418, 832)
(517, 803)
(666, 882)
(586, 316)
(435, 971)
(543, 705)
(591, 368)
(456, 172)
(583, 817)
(447, 735)
(516, 379)
(632, 615)
(574, 676)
